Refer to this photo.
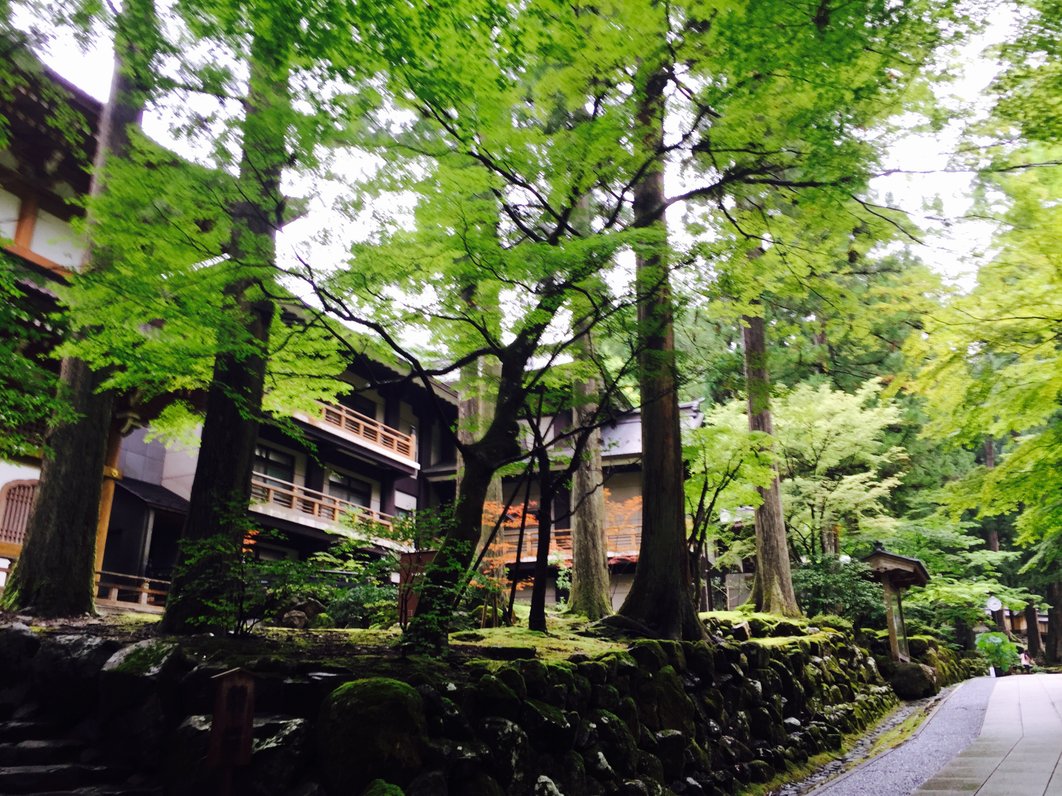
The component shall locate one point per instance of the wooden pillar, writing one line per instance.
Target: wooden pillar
(387, 495)
(111, 474)
(890, 619)
(426, 430)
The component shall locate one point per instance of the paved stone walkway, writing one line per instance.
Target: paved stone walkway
(1019, 750)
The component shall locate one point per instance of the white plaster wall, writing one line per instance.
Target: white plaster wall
(9, 205)
(405, 502)
(56, 239)
(178, 469)
(9, 471)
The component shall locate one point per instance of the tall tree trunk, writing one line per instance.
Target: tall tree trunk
(659, 598)
(1053, 647)
(546, 494)
(590, 582)
(429, 627)
(217, 511)
(772, 588)
(1032, 630)
(54, 574)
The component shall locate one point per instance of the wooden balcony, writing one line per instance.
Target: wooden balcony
(309, 507)
(623, 541)
(365, 430)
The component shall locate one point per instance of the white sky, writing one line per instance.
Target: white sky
(953, 245)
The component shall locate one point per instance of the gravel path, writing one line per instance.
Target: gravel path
(947, 732)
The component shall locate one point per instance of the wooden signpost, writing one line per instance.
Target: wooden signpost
(232, 728)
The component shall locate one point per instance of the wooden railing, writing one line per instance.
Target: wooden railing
(621, 541)
(118, 590)
(298, 501)
(340, 418)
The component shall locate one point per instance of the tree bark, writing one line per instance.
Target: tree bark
(659, 598)
(546, 494)
(54, 575)
(1032, 631)
(772, 589)
(429, 627)
(221, 488)
(590, 581)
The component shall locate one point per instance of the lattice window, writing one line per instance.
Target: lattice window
(16, 501)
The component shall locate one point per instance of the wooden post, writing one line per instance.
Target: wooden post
(111, 474)
(232, 726)
(890, 620)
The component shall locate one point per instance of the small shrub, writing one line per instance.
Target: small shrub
(364, 605)
(831, 587)
(998, 650)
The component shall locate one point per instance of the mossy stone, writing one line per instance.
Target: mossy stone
(379, 787)
(663, 704)
(676, 654)
(371, 728)
(492, 697)
(700, 660)
(594, 671)
(535, 677)
(547, 727)
(616, 741)
(606, 697)
(649, 655)
(514, 680)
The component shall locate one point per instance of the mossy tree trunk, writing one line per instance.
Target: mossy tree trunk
(546, 495)
(221, 488)
(590, 581)
(660, 597)
(772, 589)
(54, 575)
(1032, 630)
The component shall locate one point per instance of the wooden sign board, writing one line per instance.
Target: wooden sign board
(232, 729)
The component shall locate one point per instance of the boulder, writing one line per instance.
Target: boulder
(18, 645)
(295, 619)
(369, 729)
(913, 680)
(66, 671)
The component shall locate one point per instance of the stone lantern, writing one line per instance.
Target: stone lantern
(896, 573)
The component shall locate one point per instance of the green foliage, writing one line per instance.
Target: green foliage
(369, 604)
(829, 586)
(357, 588)
(998, 650)
(727, 463)
(236, 589)
(833, 459)
(28, 397)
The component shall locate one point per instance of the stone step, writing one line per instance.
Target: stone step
(17, 731)
(105, 790)
(50, 778)
(38, 752)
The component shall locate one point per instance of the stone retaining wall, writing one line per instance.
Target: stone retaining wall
(662, 717)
